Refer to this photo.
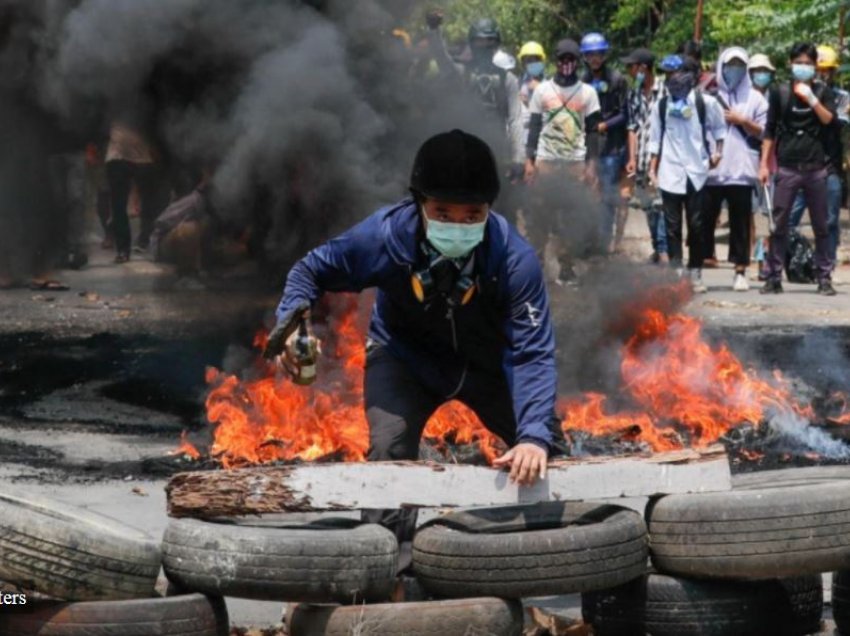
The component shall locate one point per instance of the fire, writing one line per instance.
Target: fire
(186, 448)
(677, 388)
(270, 418)
(680, 385)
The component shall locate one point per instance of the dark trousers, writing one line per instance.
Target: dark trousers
(121, 175)
(693, 202)
(740, 202)
(813, 185)
(398, 407)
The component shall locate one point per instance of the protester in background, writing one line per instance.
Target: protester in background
(827, 68)
(732, 181)
(799, 121)
(679, 128)
(494, 88)
(646, 92)
(706, 79)
(562, 143)
(613, 90)
(761, 71)
(130, 160)
(532, 57)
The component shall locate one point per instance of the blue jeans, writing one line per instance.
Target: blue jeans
(833, 212)
(610, 169)
(649, 201)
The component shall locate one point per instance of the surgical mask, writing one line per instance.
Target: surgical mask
(680, 85)
(640, 78)
(535, 69)
(733, 75)
(803, 72)
(762, 79)
(454, 240)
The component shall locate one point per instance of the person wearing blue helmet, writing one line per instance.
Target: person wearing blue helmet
(613, 91)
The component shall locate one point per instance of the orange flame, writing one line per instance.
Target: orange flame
(270, 419)
(681, 391)
(675, 377)
(186, 448)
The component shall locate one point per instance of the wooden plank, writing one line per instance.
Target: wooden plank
(346, 486)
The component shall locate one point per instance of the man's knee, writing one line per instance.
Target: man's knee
(390, 437)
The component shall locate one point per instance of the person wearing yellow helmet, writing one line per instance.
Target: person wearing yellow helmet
(532, 58)
(827, 70)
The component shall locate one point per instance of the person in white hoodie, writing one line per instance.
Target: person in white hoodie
(733, 180)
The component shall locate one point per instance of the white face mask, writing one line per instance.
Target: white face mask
(454, 240)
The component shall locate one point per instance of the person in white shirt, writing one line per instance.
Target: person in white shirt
(680, 126)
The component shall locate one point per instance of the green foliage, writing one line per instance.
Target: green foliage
(766, 26)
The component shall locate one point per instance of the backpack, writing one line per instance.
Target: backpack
(785, 102)
(662, 112)
(800, 259)
(488, 84)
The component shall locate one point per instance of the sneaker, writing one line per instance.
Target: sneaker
(772, 287)
(122, 257)
(825, 288)
(710, 263)
(696, 281)
(740, 284)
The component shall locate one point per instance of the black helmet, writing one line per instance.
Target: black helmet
(456, 167)
(485, 29)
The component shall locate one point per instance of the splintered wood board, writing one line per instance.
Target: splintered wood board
(350, 486)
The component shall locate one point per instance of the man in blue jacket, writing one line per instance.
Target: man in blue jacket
(461, 310)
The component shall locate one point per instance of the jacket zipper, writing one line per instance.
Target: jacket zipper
(450, 315)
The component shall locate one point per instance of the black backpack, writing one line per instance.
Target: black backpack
(662, 112)
(800, 259)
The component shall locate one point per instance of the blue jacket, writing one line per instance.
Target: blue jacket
(505, 328)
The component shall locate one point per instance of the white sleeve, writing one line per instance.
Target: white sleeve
(535, 106)
(714, 120)
(654, 145)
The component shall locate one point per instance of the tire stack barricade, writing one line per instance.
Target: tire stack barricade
(88, 571)
(745, 562)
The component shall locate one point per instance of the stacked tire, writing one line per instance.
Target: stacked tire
(95, 571)
(722, 559)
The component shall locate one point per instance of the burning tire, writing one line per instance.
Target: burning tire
(330, 561)
(841, 600)
(191, 615)
(538, 550)
(666, 606)
(494, 616)
(73, 554)
(759, 533)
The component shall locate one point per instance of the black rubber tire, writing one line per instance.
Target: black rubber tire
(191, 615)
(763, 533)
(784, 478)
(666, 606)
(322, 562)
(73, 554)
(841, 600)
(537, 550)
(491, 616)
